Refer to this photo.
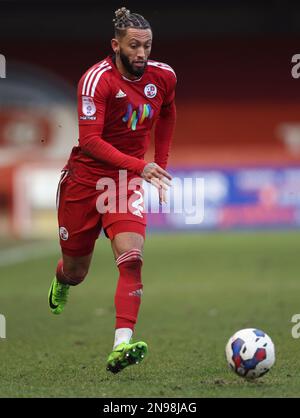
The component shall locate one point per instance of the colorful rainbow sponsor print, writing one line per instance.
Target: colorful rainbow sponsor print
(137, 116)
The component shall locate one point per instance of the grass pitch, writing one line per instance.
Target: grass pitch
(198, 290)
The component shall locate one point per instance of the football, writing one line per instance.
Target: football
(250, 353)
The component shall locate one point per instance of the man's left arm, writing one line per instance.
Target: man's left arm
(164, 130)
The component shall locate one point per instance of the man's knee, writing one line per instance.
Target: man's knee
(126, 242)
(75, 274)
(74, 270)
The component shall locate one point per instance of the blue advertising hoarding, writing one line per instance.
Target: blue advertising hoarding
(222, 199)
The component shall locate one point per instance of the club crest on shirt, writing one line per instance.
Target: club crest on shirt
(88, 106)
(150, 91)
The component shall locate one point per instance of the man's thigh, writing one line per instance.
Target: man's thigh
(127, 229)
(78, 219)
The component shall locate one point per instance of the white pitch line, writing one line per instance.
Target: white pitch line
(24, 253)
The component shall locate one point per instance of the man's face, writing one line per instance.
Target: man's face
(134, 50)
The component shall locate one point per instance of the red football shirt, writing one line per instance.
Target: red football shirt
(115, 120)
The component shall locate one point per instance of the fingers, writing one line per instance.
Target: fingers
(158, 183)
(163, 173)
(159, 177)
(166, 181)
(162, 196)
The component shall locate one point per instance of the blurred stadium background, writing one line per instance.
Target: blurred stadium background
(238, 105)
(238, 127)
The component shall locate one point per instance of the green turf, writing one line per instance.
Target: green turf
(198, 290)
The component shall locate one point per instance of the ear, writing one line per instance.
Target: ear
(115, 45)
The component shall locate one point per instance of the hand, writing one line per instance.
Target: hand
(157, 176)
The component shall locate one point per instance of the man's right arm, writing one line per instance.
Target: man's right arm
(94, 146)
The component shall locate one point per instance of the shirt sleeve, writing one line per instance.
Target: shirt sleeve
(164, 133)
(171, 82)
(165, 124)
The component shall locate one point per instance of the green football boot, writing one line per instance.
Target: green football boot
(125, 355)
(57, 296)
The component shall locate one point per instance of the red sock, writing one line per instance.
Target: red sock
(129, 289)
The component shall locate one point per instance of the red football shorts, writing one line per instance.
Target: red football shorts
(81, 217)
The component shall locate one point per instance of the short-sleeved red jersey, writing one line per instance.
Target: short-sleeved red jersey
(121, 112)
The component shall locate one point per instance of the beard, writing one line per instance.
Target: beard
(137, 72)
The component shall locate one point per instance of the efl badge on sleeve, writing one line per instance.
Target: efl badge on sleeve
(88, 106)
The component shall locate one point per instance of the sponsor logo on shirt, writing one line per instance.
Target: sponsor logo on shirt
(137, 116)
(150, 91)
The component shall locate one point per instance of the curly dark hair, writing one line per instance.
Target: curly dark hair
(124, 20)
